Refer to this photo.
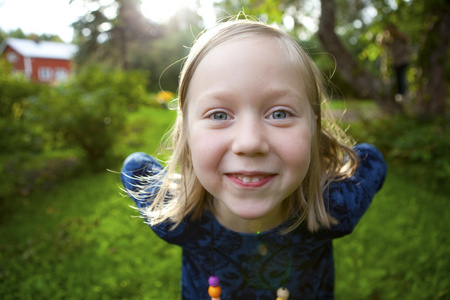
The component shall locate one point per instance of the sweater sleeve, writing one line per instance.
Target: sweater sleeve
(135, 178)
(349, 199)
(142, 189)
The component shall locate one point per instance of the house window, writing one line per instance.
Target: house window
(12, 57)
(45, 74)
(61, 74)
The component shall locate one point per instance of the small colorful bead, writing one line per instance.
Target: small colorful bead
(282, 294)
(213, 281)
(214, 291)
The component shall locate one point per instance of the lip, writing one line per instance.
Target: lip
(250, 179)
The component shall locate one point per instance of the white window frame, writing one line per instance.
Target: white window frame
(61, 74)
(45, 73)
(12, 57)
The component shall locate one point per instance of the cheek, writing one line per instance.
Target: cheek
(297, 152)
(300, 160)
(205, 152)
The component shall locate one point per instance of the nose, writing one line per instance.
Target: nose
(250, 137)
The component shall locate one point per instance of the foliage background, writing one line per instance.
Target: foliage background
(66, 232)
(81, 238)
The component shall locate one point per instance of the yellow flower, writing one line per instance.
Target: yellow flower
(164, 97)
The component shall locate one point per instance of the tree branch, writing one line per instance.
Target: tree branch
(366, 84)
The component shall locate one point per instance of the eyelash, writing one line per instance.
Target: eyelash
(213, 115)
(285, 112)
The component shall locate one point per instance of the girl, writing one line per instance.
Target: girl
(256, 187)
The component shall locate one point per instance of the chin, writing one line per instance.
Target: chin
(250, 216)
(252, 213)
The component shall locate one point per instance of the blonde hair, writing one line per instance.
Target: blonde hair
(332, 157)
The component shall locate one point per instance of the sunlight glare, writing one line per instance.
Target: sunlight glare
(162, 11)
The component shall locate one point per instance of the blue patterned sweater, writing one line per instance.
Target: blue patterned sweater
(254, 266)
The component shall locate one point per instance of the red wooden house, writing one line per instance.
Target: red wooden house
(41, 61)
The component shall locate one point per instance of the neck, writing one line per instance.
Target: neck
(235, 223)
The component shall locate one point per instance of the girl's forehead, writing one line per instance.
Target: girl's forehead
(244, 51)
(257, 43)
(262, 50)
(249, 38)
(255, 67)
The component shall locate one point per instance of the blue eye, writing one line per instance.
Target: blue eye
(279, 114)
(219, 116)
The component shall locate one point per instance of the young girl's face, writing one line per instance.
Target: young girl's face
(249, 131)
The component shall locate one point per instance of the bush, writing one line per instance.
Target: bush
(89, 112)
(16, 134)
(411, 142)
(27, 172)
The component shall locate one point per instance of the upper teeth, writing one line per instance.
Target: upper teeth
(246, 179)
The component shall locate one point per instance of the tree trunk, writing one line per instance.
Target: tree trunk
(433, 55)
(123, 34)
(366, 85)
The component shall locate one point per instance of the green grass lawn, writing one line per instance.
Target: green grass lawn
(82, 240)
(400, 248)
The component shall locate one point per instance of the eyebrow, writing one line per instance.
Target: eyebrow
(222, 95)
(282, 92)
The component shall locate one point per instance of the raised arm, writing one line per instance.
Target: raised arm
(349, 199)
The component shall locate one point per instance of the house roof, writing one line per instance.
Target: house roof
(41, 49)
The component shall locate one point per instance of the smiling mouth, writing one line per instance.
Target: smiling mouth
(249, 179)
